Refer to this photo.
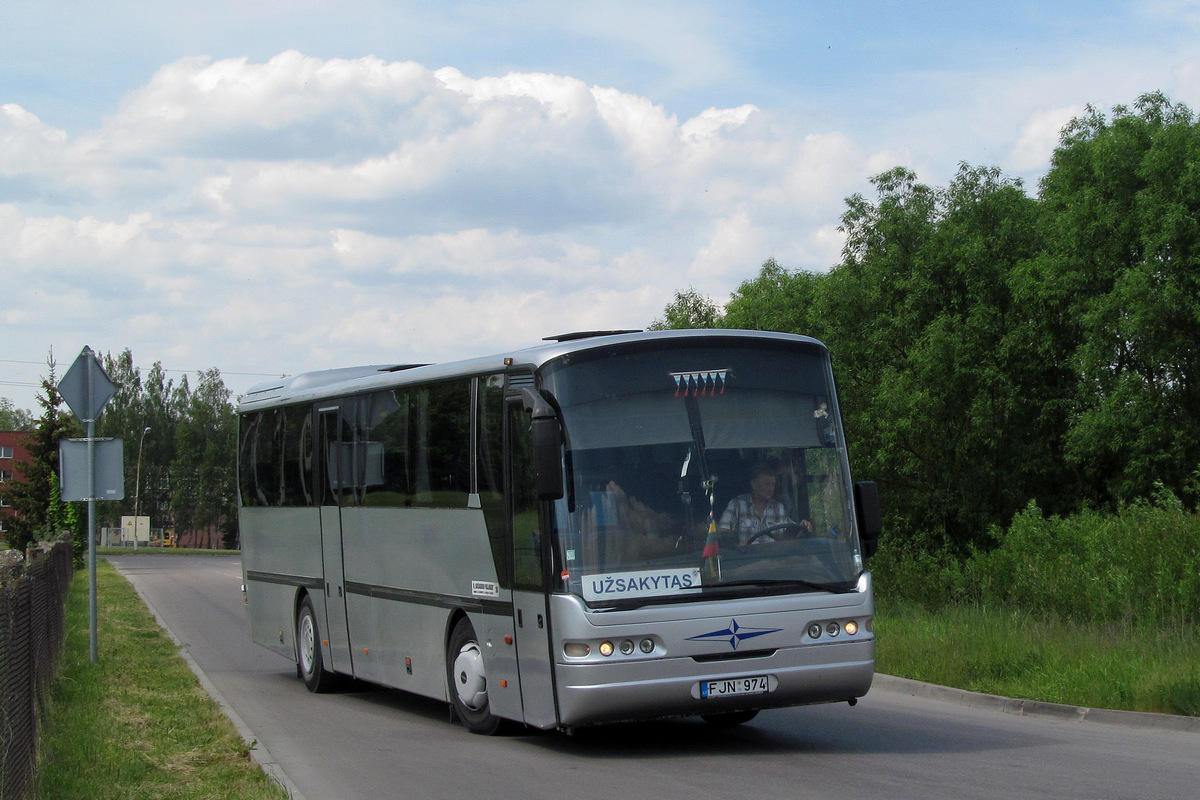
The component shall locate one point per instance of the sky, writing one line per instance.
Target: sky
(273, 187)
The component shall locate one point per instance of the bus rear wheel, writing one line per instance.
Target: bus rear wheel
(309, 664)
(466, 675)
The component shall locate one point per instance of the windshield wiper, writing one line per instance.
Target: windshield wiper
(837, 587)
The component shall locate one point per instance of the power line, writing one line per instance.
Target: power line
(139, 369)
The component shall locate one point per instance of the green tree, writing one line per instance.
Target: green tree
(203, 472)
(163, 404)
(958, 415)
(34, 498)
(925, 337)
(14, 419)
(1121, 276)
(688, 310)
(776, 300)
(992, 348)
(63, 516)
(124, 419)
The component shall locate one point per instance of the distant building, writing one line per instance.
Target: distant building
(12, 452)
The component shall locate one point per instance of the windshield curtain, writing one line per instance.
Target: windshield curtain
(699, 469)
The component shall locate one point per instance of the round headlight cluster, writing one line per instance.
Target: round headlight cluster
(835, 628)
(607, 647)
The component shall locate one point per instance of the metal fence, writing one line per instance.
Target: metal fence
(31, 636)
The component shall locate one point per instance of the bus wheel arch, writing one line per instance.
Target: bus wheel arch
(466, 678)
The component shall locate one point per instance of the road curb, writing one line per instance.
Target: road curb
(259, 753)
(1031, 708)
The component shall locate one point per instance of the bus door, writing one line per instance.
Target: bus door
(529, 548)
(336, 442)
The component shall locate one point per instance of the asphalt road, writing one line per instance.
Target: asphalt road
(367, 742)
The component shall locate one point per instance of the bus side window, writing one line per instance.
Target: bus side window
(294, 450)
(443, 444)
(526, 537)
(386, 426)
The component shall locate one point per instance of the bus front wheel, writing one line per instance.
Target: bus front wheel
(467, 678)
(309, 663)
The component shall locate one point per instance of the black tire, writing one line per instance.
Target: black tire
(309, 664)
(730, 718)
(466, 678)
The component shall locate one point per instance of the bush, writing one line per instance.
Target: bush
(1138, 566)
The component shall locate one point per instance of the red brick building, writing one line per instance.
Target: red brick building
(12, 452)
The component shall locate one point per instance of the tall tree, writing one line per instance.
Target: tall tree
(35, 498)
(164, 404)
(203, 474)
(14, 419)
(1123, 273)
(689, 309)
(776, 300)
(123, 419)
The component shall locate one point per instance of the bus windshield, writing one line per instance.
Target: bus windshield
(702, 470)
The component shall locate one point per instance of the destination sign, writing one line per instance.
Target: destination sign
(648, 583)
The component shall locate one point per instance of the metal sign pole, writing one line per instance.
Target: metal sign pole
(86, 388)
(93, 635)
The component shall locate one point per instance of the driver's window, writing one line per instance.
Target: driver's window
(526, 537)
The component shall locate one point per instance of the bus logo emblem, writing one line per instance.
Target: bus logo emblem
(733, 633)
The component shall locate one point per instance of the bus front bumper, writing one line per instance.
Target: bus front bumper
(597, 693)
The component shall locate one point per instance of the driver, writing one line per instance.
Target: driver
(748, 514)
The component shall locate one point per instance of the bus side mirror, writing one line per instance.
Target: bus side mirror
(547, 458)
(870, 517)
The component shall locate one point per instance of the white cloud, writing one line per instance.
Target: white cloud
(301, 212)
(1039, 136)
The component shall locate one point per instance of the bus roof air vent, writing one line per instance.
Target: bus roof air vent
(571, 337)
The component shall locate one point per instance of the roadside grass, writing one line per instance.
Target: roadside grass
(136, 724)
(1010, 652)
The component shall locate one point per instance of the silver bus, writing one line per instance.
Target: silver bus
(607, 527)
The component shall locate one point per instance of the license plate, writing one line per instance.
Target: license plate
(729, 687)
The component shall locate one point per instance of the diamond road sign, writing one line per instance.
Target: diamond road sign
(86, 387)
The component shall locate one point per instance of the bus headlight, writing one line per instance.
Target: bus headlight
(851, 628)
(814, 630)
(576, 650)
(647, 645)
(627, 647)
(606, 649)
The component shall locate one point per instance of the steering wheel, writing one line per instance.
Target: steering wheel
(796, 529)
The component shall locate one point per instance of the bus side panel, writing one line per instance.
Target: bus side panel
(281, 551)
(406, 570)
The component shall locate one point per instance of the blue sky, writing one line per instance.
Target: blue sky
(270, 187)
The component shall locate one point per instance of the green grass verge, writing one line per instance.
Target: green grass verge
(1014, 653)
(137, 723)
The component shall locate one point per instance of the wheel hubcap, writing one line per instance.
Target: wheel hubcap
(470, 679)
(307, 644)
